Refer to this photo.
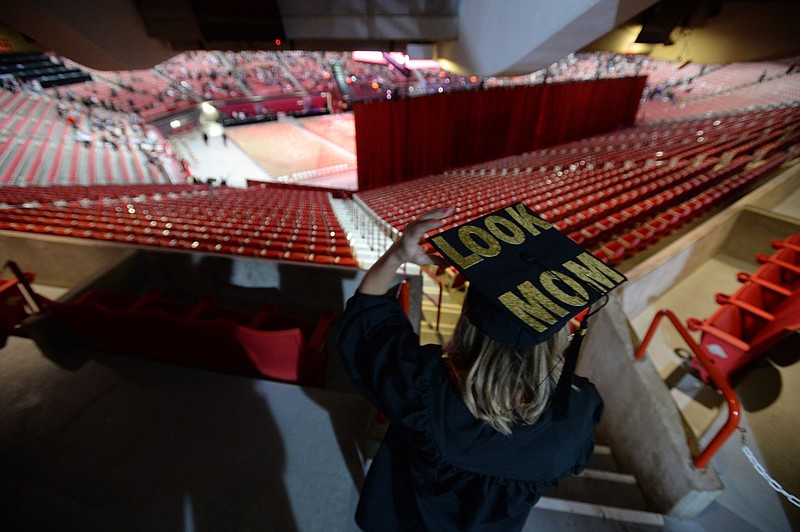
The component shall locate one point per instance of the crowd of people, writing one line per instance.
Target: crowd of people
(337, 80)
(193, 77)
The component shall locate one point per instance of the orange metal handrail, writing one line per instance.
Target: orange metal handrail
(734, 408)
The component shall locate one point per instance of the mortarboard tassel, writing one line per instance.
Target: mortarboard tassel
(562, 393)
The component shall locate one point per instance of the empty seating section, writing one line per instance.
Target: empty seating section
(660, 224)
(47, 141)
(62, 195)
(759, 314)
(615, 194)
(265, 221)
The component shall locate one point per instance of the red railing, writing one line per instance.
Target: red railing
(17, 301)
(734, 408)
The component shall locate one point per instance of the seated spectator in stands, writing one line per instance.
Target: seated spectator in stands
(482, 426)
(84, 137)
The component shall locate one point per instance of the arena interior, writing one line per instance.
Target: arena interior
(190, 191)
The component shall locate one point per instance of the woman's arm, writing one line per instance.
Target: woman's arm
(379, 278)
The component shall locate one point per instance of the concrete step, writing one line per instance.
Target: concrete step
(556, 515)
(600, 487)
(603, 460)
(603, 493)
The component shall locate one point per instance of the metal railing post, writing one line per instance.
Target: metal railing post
(719, 380)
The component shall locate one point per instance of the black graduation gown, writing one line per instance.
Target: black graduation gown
(439, 468)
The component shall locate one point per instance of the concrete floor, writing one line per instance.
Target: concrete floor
(119, 444)
(217, 159)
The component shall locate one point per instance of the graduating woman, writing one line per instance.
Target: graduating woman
(475, 436)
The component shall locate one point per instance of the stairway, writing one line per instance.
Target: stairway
(366, 239)
(600, 498)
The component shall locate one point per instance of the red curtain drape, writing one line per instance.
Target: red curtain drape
(401, 139)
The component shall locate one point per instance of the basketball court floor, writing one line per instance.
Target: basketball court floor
(316, 151)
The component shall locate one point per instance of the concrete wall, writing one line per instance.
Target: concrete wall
(641, 422)
(60, 261)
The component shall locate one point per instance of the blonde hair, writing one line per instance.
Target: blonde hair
(501, 385)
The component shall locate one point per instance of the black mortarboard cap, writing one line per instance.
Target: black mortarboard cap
(527, 279)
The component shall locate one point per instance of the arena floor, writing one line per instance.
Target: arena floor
(316, 151)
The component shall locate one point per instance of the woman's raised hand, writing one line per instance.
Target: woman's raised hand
(408, 247)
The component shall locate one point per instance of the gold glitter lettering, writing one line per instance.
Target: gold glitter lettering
(548, 281)
(468, 233)
(524, 218)
(594, 272)
(455, 256)
(517, 235)
(537, 310)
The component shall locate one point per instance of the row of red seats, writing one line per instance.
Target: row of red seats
(201, 335)
(78, 219)
(42, 147)
(758, 315)
(20, 195)
(271, 245)
(477, 189)
(36, 161)
(304, 228)
(633, 238)
(629, 209)
(586, 226)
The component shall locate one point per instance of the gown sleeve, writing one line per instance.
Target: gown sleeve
(383, 355)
